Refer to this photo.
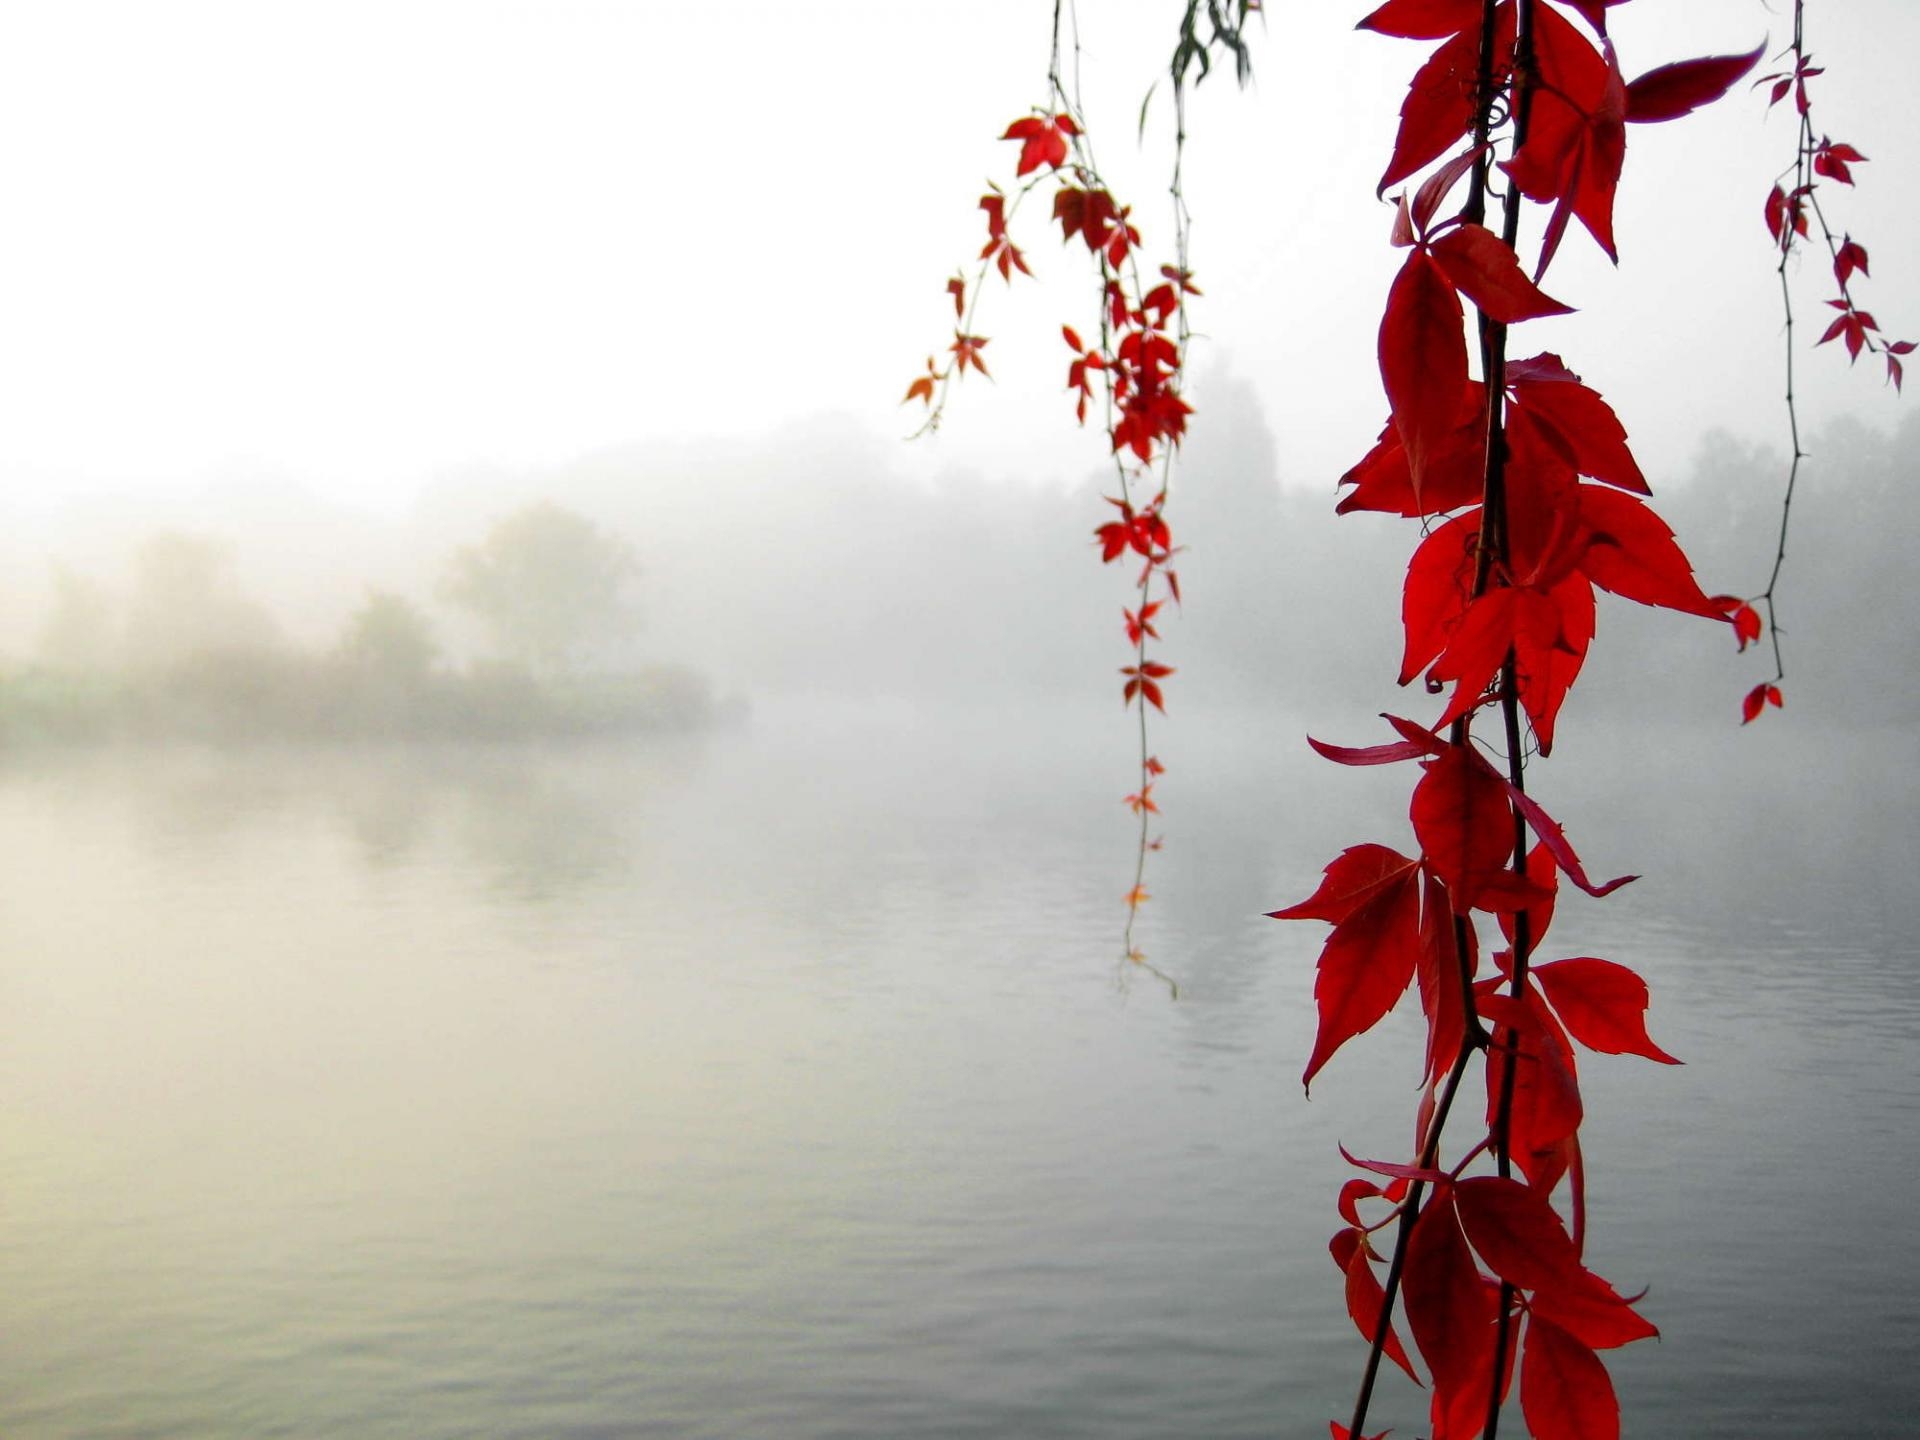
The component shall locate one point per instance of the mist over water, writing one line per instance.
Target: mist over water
(759, 1059)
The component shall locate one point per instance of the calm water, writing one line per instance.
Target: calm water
(785, 1084)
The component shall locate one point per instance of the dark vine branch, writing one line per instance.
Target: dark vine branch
(1816, 159)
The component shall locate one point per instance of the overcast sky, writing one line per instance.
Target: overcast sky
(363, 244)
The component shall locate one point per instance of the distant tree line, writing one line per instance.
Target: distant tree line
(189, 654)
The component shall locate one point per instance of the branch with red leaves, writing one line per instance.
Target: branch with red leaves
(1794, 198)
(1531, 502)
(1133, 368)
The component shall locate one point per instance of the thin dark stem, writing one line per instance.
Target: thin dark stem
(1494, 359)
(1801, 176)
(1409, 1213)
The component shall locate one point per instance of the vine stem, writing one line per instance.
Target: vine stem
(1801, 173)
(1066, 22)
(1490, 567)
(1409, 1214)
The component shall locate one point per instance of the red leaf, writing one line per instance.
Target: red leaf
(1461, 818)
(1564, 1390)
(1354, 876)
(1631, 552)
(1850, 257)
(1684, 86)
(1438, 109)
(1576, 137)
(1580, 426)
(1437, 969)
(1423, 358)
(1546, 1110)
(1518, 1233)
(1439, 580)
(1603, 1006)
(1757, 700)
(1394, 1168)
(1545, 877)
(1452, 1316)
(1369, 754)
(966, 351)
(1555, 839)
(1746, 622)
(1484, 268)
(1454, 472)
(1423, 19)
(1365, 1297)
(1776, 213)
(1045, 140)
(1436, 186)
(1594, 1314)
(1371, 895)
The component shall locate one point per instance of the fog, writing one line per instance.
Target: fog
(803, 562)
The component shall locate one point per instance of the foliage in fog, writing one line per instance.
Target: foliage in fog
(552, 589)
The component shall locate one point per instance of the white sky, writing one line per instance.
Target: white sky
(361, 243)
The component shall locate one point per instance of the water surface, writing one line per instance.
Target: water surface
(785, 1082)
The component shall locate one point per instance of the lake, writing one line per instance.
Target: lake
(787, 1082)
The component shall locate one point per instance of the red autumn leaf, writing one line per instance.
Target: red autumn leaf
(1519, 620)
(1368, 754)
(1850, 257)
(1399, 1170)
(1758, 699)
(1438, 109)
(1484, 268)
(957, 288)
(1451, 1314)
(1894, 351)
(1631, 552)
(1576, 137)
(966, 351)
(1594, 1314)
(1437, 969)
(1045, 141)
(1351, 1194)
(1419, 735)
(1786, 215)
(1545, 877)
(1365, 1297)
(1454, 471)
(1461, 818)
(1746, 622)
(1435, 188)
(1603, 1006)
(1580, 425)
(1833, 160)
(1555, 839)
(1141, 624)
(1546, 1110)
(1439, 581)
(1422, 19)
(1518, 1234)
(1853, 325)
(1564, 1390)
(1341, 1432)
(1371, 894)
(922, 388)
(1684, 86)
(1594, 11)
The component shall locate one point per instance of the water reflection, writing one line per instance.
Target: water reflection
(777, 1084)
